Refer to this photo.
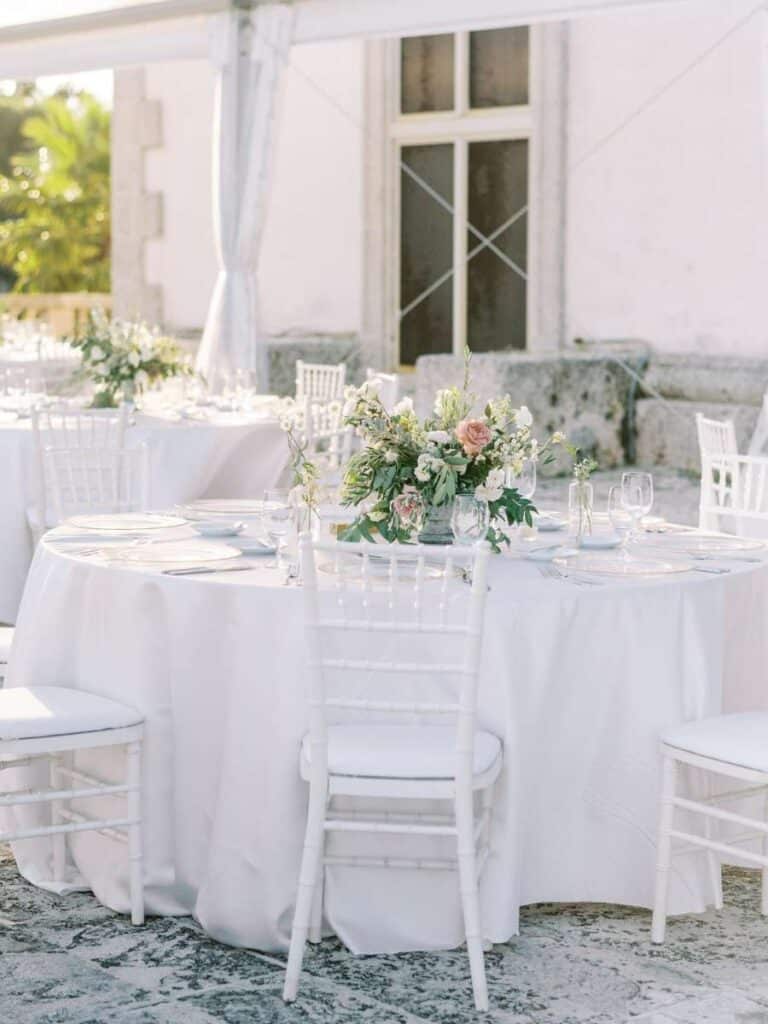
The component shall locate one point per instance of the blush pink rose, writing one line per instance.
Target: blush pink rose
(473, 435)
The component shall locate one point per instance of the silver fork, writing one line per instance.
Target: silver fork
(551, 572)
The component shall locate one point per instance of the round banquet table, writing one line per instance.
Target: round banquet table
(227, 455)
(577, 681)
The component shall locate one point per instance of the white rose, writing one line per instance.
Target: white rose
(97, 354)
(403, 407)
(134, 357)
(485, 493)
(495, 479)
(523, 417)
(390, 456)
(440, 436)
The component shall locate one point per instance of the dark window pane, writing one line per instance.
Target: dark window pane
(426, 253)
(426, 74)
(498, 67)
(496, 294)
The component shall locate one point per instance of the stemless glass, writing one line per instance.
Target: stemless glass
(637, 496)
(470, 519)
(620, 519)
(279, 518)
(525, 481)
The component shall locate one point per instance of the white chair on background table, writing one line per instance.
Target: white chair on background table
(97, 480)
(734, 494)
(48, 724)
(736, 747)
(65, 430)
(397, 625)
(6, 639)
(320, 382)
(388, 384)
(760, 435)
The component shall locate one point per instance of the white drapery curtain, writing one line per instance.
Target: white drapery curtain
(251, 51)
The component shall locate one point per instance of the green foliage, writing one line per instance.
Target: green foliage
(55, 201)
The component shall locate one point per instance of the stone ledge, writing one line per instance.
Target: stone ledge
(666, 431)
(731, 380)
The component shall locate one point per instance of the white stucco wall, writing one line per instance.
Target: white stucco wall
(311, 277)
(667, 235)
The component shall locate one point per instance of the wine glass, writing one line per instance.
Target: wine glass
(524, 481)
(620, 519)
(637, 496)
(470, 519)
(279, 517)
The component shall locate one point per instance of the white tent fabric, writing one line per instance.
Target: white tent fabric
(251, 59)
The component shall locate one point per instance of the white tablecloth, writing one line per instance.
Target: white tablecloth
(231, 456)
(578, 682)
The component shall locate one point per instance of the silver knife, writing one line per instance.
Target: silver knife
(198, 570)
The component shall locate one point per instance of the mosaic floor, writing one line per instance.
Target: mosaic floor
(70, 961)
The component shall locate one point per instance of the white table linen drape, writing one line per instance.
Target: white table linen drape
(578, 683)
(228, 457)
(250, 51)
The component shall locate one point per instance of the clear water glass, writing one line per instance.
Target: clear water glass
(278, 518)
(524, 481)
(618, 516)
(637, 495)
(470, 519)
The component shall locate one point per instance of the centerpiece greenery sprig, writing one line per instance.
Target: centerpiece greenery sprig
(449, 453)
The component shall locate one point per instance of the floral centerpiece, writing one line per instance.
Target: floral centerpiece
(123, 358)
(450, 453)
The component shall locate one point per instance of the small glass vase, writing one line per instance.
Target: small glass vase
(437, 525)
(580, 502)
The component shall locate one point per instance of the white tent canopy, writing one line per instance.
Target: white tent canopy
(249, 49)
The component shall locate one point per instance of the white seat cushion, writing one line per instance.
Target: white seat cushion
(740, 739)
(37, 711)
(6, 638)
(400, 751)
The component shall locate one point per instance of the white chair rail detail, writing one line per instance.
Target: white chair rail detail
(354, 749)
(320, 382)
(734, 492)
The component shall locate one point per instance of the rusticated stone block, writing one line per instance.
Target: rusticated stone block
(666, 431)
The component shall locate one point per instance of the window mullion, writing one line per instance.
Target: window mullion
(460, 201)
(461, 73)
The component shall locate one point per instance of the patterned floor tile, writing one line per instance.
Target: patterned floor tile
(48, 988)
(168, 956)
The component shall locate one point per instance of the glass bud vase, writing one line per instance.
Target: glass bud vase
(437, 525)
(580, 502)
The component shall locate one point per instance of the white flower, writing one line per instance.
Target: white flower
(390, 456)
(485, 493)
(436, 464)
(97, 354)
(371, 388)
(142, 380)
(523, 417)
(349, 407)
(377, 516)
(134, 357)
(422, 475)
(440, 436)
(558, 437)
(495, 480)
(403, 407)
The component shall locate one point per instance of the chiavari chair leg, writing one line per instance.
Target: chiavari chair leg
(664, 850)
(465, 827)
(308, 877)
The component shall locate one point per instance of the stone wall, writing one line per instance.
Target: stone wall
(283, 353)
(585, 394)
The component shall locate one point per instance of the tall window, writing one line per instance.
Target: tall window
(461, 134)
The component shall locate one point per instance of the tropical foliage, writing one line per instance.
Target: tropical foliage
(55, 198)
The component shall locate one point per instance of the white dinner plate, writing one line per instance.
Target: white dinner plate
(629, 568)
(131, 522)
(600, 541)
(191, 552)
(253, 546)
(235, 507)
(704, 543)
(548, 522)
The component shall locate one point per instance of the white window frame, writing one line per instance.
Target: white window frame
(541, 122)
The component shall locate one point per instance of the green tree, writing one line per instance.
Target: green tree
(54, 205)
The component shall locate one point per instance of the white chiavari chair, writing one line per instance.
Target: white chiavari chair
(388, 387)
(734, 494)
(97, 480)
(716, 437)
(6, 639)
(320, 382)
(61, 429)
(383, 620)
(734, 747)
(760, 435)
(51, 723)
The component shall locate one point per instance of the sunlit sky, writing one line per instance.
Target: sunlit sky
(97, 82)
